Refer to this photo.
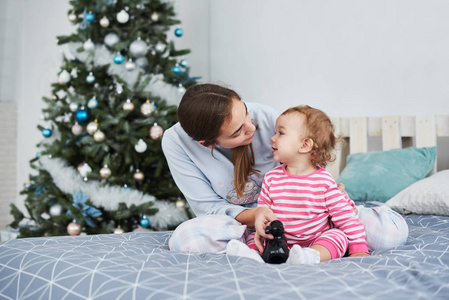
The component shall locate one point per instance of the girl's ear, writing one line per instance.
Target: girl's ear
(202, 144)
(306, 145)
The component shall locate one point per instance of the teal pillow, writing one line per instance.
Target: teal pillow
(378, 176)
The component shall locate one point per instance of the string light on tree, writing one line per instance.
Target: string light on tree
(180, 203)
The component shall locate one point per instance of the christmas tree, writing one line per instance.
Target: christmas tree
(100, 167)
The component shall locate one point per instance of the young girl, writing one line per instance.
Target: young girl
(218, 155)
(304, 196)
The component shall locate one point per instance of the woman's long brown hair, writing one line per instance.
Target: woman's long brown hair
(203, 110)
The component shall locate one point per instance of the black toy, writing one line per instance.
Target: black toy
(276, 250)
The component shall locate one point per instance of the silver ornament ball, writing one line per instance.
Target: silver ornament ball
(74, 228)
(92, 127)
(147, 108)
(111, 39)
(99, 136)
(105, 172)
(138, 48)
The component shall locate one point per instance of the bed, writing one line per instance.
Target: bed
(139, 265)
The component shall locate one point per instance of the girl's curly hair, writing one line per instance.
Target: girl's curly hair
(321, 131)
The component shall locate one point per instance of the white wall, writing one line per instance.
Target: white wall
(349, 58)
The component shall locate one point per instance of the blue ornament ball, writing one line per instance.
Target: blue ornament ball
(145, 222)
(184, 63)
(179, 32)
(118, 59)
(82, 116)
(89, 17)
(47, 132)
(177, 69)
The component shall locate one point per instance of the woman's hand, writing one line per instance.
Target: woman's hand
(263, 216)
(359, 254)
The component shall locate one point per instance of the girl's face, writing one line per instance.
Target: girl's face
(290, 133)
(239, 130)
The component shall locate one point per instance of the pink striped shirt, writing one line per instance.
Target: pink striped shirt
(310, 204)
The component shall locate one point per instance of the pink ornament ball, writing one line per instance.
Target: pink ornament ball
(156, 132)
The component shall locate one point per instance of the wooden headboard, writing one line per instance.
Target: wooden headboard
(394, 131)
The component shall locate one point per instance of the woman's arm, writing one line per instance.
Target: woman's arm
(192, 182)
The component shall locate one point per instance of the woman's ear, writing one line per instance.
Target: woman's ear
(306, 145)
(202, 144)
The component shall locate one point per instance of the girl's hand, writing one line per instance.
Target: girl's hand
(359, 254)
(263, 216)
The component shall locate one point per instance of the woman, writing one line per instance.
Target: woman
(218, 154)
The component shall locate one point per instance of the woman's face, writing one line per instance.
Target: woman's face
(239, 130)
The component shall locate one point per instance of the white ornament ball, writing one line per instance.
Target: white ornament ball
(99, 136)
(105, 172)
(64, 77)
(160, 47)
(154, 17)
(111, 39)
(104, 22)
(84, 169)
(89, 45)
(55, 210)
(93, 102)
(74, 228)
(119, 230)
(141, 146)
(130, 65)
(147, 108)
(72, 18)
(77, 129)
(156, 132)
(142, 62)
(73, 106)
(122, 16)
(92, 127)
(138, 48)
(90, 78)
(128, 105)
(138, 175)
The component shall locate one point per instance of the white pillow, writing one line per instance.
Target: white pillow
(429, 196)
